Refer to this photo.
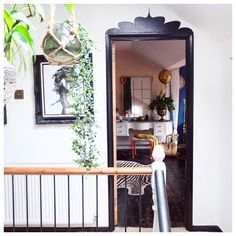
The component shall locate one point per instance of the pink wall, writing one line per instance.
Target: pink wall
(131, 65)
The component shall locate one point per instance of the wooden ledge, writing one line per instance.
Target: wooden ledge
(77, 171)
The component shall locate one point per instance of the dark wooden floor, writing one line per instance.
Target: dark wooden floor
(175, 184)
(175, 192)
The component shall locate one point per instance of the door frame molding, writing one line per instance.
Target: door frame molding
(153, 28)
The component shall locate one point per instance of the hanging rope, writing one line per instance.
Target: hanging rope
(52, 16)
(72, 58)
(74, 22)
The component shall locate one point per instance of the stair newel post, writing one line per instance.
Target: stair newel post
(161, 220)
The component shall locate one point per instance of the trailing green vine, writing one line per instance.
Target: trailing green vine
(82, 94)
(80, 78)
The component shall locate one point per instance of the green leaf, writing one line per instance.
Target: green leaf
(8, 50)
(22, 34)
(70, 7)
(20, 41)
(8, 20)
(39, 11)
(22, 61)
(19, 16)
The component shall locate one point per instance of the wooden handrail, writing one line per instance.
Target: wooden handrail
(77, 171)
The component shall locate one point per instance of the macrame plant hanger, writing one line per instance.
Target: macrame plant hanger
(63, 51)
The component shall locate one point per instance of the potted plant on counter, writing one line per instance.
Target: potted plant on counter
(162, 103)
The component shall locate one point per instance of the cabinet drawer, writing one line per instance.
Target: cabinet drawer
(120, 126)
(162, 128)
(121, 130)
(159, 129)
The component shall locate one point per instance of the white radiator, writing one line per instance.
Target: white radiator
(48, 201)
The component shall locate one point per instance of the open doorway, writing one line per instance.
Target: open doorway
(137, 42)
(137, 66)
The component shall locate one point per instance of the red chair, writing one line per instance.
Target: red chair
(133, 146)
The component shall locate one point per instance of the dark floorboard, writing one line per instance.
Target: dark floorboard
(175, 191)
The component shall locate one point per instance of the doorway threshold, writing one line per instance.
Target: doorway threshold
(136, 229)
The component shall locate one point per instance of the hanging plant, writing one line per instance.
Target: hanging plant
(84, 127)
(62, 44)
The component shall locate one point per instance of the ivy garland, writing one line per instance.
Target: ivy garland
(82, 95)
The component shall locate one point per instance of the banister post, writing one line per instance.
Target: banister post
(158, 166)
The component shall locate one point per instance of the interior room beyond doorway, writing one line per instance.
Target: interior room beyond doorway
(138, 64)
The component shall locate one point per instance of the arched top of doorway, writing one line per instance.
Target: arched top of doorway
(150, 25)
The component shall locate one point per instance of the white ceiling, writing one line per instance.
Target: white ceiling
(213, 19)
(161, 53)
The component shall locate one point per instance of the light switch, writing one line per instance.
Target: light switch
(19, 94)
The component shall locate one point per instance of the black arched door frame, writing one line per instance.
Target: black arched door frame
(153, 28)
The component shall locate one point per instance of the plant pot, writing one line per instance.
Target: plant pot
(161, 112)
(62, 46)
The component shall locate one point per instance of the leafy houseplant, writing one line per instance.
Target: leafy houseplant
(17, 37)
(84, 126)
(81, 78)
(162, 103)
(17, 42)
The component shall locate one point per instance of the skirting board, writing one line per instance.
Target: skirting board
(58, 229)
(204, 228)
(195, 228)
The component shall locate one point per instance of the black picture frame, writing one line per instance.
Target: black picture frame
(5, 114)
(42, 77)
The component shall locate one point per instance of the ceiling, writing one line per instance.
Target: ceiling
(167, 54)
(213, 19)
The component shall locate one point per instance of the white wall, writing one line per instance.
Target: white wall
(32, 144)
(212, 188)
(225, 171)
(207, 139)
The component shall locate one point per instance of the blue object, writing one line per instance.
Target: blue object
(182, 97)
